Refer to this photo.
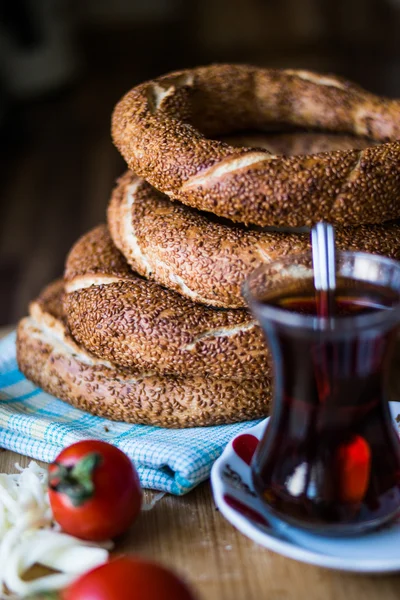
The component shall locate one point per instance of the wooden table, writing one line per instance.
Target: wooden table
(191, 536)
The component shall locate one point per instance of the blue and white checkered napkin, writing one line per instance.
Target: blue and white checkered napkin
(39, 425)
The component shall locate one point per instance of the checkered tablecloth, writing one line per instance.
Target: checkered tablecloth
(39, 425)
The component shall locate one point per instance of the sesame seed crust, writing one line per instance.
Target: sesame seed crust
(207, 259)
(137, 323)
(163, 128)
(50, 358)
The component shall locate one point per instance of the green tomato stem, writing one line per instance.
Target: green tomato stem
(76, 482)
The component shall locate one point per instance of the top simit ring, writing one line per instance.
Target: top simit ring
(164, 130)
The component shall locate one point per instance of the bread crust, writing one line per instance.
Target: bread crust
(163, 128)
(50, 358)
(121, 317)
(208, 259)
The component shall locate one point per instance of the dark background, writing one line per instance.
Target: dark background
(64, 64)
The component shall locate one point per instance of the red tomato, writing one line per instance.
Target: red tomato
(128, 578)
(94, 490)
(353, 463)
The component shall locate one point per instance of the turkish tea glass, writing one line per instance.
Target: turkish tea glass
(329, 460)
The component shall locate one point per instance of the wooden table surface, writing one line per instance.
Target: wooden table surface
(191, 536)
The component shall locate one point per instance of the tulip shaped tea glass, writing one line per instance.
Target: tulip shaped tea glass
(329, 460)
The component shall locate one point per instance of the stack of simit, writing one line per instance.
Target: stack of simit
(149, 325)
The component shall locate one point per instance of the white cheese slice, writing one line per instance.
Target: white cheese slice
(29, 535)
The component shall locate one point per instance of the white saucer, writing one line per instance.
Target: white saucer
(376, 552)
